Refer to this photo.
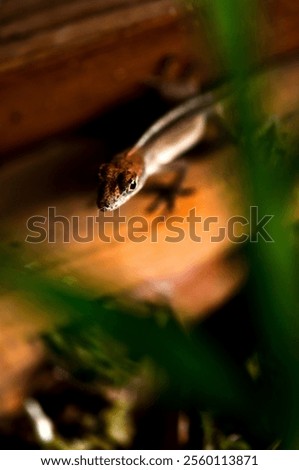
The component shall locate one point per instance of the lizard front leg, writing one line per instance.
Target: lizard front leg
(167, 193)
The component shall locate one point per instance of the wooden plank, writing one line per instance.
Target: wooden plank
(53, 78)
(62, 63)
(69, 25)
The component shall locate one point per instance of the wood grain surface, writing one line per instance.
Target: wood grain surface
(62, 63)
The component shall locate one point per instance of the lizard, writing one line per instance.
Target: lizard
(168, 138)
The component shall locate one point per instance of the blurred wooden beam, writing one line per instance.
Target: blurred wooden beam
(63, 62)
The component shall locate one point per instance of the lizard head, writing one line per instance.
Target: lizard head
(117, 184)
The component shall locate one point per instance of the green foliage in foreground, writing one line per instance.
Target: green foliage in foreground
(273, 265)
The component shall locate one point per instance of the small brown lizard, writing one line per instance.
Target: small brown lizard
(168, 138)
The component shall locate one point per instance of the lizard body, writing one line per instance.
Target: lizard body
(168, 138)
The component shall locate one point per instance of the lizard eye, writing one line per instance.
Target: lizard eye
(132, 185)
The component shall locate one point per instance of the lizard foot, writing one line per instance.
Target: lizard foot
(167, 193)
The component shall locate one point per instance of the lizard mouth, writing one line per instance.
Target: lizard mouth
(101, 206)
(102, 202)
(105, 207)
